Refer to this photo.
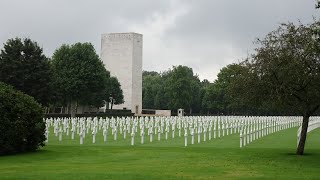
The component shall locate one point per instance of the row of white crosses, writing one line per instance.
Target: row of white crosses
(314, 123)
(194, 127)
(253, 128)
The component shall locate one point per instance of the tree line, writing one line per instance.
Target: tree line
(179, 87)
(281, 77)
(74, 75)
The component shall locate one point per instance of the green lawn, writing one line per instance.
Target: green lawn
(271, 157)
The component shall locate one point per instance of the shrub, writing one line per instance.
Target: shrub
(21, 124)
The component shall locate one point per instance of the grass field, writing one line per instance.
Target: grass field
(271, 157)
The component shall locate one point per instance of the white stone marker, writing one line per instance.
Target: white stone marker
(223, 128)
(214, 130)
(115, 133)
(192, 135)
(167, 131)
(218, 130)
(94, 135)
(248, 134)
(240, 139)
(210, 133)
(173, 130)
(105, 133)
(151, 134)
(159, 133)
(72, 133)
(46, 133)
(244, 136)
(198, 132)
(227, 127)
(185, 137)
(142, 135)
(67, 129)
(254, 131)
(84, 130)
(60, 134)
(81, 137)
(132, 137)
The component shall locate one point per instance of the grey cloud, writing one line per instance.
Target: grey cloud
(207, 36)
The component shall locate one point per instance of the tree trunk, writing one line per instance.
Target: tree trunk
(303, 134)
(111, 105)
(73, 108)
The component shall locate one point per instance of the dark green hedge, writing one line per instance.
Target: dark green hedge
(21, 124)
(117, 113)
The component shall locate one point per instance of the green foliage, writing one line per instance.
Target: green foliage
(99, 98)
(221, 95)
(173, 89)
(183, 88)
(115, 92)
(80, 76)
(285, 71)
(24, 66)
(21, 124)
(151, 90)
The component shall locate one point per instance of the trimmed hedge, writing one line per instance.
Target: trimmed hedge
(21, 124)
(109, 114)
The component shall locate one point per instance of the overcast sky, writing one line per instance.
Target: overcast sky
(205, 35)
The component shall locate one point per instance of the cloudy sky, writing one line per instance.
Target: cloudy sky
(203, 34)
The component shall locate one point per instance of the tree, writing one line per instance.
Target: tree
(116, 94)
(151, 85)
(21, 124)
(99, 98)
(24, 66)
(79, 74)
(285, 70)
(182, 87)
(216, 96)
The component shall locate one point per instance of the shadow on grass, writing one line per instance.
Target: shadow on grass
(305, 154)
(36, 152)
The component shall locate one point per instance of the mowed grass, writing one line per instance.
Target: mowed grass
(271, 157)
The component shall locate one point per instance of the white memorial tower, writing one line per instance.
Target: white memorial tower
(121, 54)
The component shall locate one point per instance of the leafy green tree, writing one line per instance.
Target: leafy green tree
(182, 87)
(225, 102)
(151, 85)
(216, 97)
(285, 71)
(99, 98)
(211, 102)
(24, 66)
(79, 74)
(116, 93)
(202, 105)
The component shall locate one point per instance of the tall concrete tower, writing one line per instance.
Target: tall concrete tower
(122, 55)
